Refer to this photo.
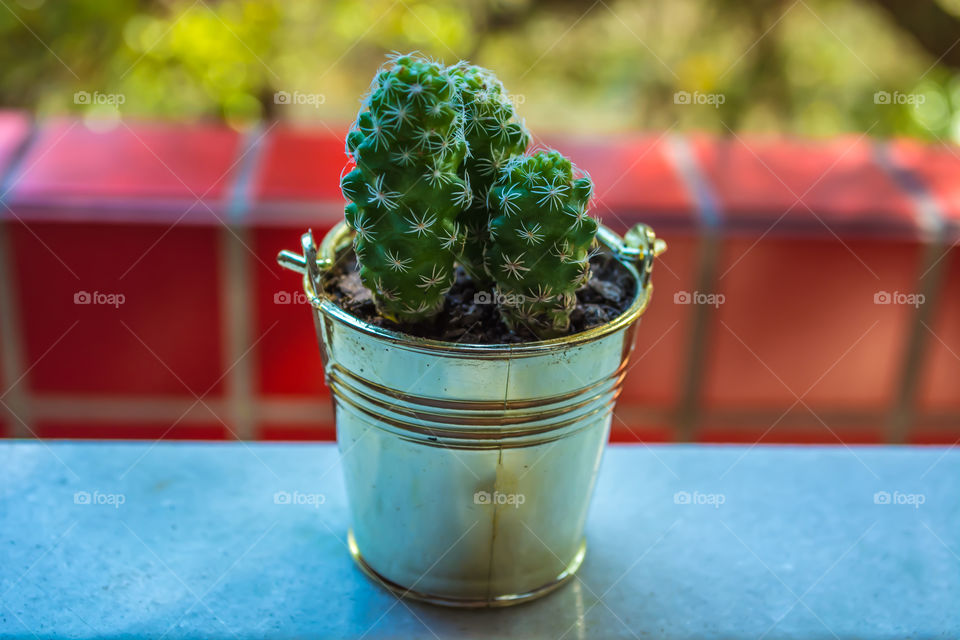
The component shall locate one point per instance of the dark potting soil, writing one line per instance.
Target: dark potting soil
(606, 295)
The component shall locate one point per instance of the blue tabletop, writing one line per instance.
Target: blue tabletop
(181, 540)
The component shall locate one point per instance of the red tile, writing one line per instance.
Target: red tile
(940, 432)
(795, 430)
(170, 303)
(14, 127)
(71, 162)
(757, 181)
(633, 178)
(657, 364)
(798, 314)
(288, 356)
(299, 432)
(130, 431)
(3, 411)
(940, 376)
(301, 165)
(937, 167)
(632, 423)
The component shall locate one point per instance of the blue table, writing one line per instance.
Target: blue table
(126, 540)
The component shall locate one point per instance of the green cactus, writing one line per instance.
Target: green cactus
(540, 241)
(407, 144)
(493, 135)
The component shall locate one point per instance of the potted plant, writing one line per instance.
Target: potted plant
(475, 324)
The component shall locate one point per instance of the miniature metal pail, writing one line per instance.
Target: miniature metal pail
(469, 468)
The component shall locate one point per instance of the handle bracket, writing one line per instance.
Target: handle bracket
(308, 264)
(640, 245)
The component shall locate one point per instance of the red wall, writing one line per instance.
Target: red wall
(793, 242)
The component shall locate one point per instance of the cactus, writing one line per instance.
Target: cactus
(540, 241)
(407, 144)
(493, 135)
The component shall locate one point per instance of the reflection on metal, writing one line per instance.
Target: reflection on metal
(469, 467)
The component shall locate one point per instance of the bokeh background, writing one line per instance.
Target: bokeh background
(803, 67)
(800, 158)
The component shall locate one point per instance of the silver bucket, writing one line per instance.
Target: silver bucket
(469, 468)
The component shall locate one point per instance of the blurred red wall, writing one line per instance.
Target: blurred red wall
(810, 294)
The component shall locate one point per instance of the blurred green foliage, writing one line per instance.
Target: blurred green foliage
(811, 67)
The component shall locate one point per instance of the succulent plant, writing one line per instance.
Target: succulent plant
(438, 175)
(540, 241)
(407, 145)
(494, 135)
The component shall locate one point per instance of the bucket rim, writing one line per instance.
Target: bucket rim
(339, 237)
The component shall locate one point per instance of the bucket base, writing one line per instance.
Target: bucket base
(468, 603)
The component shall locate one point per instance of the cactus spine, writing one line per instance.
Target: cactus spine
(493, 135)
(407, 144)
(540, 241)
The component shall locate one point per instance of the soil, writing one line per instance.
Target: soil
(608, 293)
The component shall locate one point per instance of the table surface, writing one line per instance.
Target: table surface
(124, 540)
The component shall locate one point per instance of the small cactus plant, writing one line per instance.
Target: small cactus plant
(494, 135)
(540, 241)
(438, 176)
(405, 193)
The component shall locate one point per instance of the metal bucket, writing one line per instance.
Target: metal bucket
(469, 468)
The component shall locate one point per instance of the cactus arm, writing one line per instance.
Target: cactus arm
(405, 148)
(494, 135)
(540, 242)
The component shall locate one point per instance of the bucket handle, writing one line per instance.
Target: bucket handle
(308, 263)
(640, 245)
